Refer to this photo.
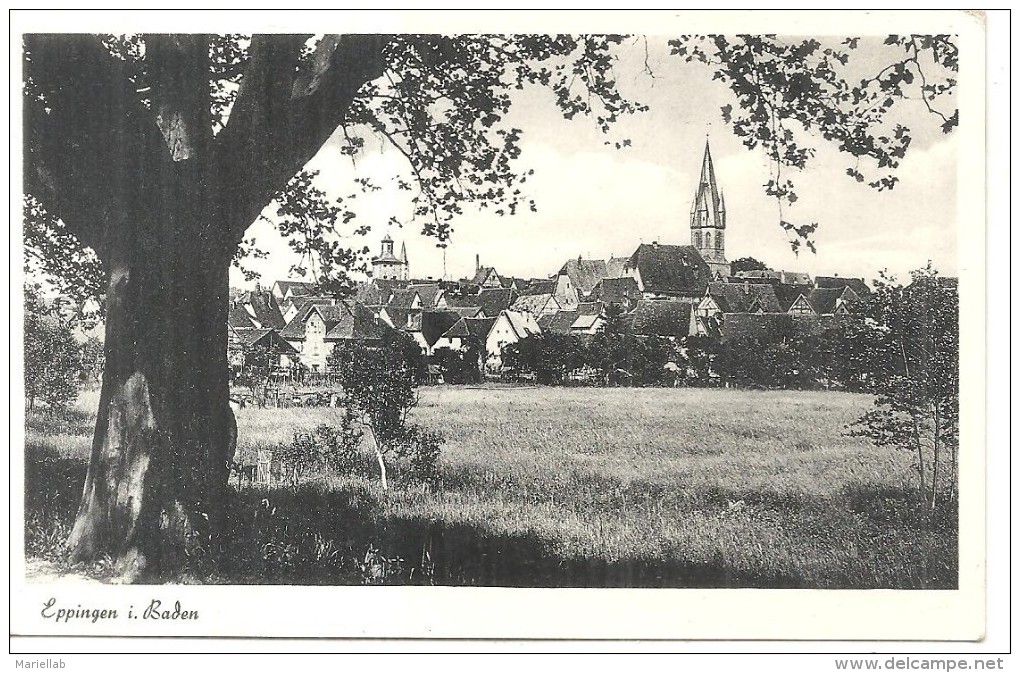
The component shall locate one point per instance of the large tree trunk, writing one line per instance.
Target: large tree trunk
(154, 494)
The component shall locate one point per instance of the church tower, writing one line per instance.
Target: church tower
(388, 266)
(708, 220)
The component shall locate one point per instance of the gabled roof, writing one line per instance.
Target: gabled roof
(540, 286)
(616, 290)
(238, 318)
(615, 267)
(249, 338)
(330, 314)
(772, 326)
(428, 292)
(358, 323)
(740, 297)
(403, 298)
(823, 299)
(513, 282)
(263, 305)
(467, 311)
(522, 324)
(495, 299)
(585, 273)
(475, 329)
(297, 287)
(794, 278)
(534, 303)
(435, 323)
(561, 321)
(858, 285)
(788, 294)
(672, 270)
(479, 327)
(482, 274)
(661, 318)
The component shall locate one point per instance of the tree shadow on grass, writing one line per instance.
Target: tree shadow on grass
(327, 534)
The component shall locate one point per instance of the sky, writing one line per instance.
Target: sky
(595, 201)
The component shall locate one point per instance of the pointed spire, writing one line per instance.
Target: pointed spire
(403, 253)
(707, 208)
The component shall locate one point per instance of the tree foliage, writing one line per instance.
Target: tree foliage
(787, 88)
(53, 358)
(747, 264)
(917, 405)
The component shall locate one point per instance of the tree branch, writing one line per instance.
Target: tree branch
(178, 68)
(280, 120)
(90, 147)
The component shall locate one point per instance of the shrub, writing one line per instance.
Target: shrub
(326, 448)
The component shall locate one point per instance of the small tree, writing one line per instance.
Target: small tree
(53, 359)
(92, 360)
(380, 383)
(918, 396)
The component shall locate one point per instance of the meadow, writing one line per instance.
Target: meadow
(547, 487)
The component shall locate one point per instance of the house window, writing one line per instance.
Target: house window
(708, 239)
(697, 239)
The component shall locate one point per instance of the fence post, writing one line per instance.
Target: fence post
(263, 473)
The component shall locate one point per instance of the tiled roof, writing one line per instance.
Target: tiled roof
(788, 294)
(467, 311)
(523, 324)
(482, 274)
(759, 274)
(661, 318)
(479, 327)
(435, 323)
(330, 315)
(428, 292)
(794, 278)
(533, 303)
(585, 273)
(542, 286)
(560, 321)
(403, 298)
(496, 299)
(251, 337)
(858, 285)
(772, 326)
(591, 308)
(741, 297)
(615, 267)
(823, 299)
(616, 290)
(239, 318)
(475, 329)
(297, 287)
(673, 270)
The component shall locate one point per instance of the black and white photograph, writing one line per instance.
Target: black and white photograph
(414, 318)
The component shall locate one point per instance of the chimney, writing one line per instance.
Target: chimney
(478, 262)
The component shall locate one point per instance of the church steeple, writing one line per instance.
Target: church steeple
(708, 218)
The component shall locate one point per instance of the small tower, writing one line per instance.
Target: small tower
(708, 219)
(387, 266)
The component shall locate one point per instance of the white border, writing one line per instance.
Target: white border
(359, 612)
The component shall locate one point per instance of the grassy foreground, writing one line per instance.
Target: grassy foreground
(568, 487)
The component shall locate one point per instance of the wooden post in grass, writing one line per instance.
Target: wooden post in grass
(264, 467)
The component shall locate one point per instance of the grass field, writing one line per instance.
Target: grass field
(575, 487)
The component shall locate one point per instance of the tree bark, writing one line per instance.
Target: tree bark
(154, 494)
